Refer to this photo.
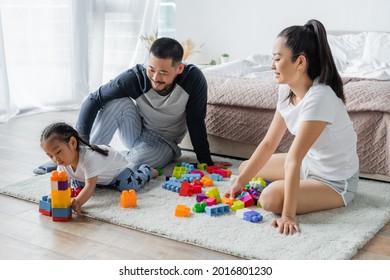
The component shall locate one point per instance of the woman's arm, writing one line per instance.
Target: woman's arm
(84, 195)
(307, 134)
(261, 155)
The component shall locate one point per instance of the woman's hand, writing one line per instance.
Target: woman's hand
(76, 207)
(286, 225)
(235, 190)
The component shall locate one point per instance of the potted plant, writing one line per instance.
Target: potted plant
(224, 57)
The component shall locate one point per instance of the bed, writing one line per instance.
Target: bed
(243, 95)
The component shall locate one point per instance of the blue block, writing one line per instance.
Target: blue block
(172, 185)
(62, 212)
(253, 216)
(45, 203)
(216, 210)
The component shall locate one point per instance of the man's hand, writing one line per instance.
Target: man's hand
(223, 164)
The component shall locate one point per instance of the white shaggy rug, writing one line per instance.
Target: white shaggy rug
(335, 234)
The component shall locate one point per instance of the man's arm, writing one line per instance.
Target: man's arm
(130, 83)
(196, 113)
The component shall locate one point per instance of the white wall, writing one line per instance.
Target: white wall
(244, 27)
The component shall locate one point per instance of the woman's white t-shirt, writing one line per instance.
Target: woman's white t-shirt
(334, 154)
(93, 164)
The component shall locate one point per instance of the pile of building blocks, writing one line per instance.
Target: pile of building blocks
(187, 180)
(58, 205)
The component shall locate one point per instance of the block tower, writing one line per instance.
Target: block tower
(60, 197)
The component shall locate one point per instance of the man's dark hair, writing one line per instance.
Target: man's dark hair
(166, 48)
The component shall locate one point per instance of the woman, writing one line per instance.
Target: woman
(320, 170)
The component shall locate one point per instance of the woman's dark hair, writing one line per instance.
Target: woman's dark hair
(167, 48)
(311, 41)
(63, 132)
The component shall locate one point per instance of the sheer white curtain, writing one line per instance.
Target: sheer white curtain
(53, 53)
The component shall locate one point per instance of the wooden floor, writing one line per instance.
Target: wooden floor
(25, 234)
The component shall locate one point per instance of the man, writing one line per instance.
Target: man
(151, 108)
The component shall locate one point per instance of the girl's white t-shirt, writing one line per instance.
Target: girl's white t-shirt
(334, 154)
(93, 164)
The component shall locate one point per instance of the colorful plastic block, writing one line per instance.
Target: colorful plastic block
(185, 189)
(178, 171)
(211, 201)
(128, 199)
(197, 172)
(238, 205)
(45, 205)
(207, 181)
(199, 207)
(202, 166)
(190, 177)
(214, 193)
(216, 177)
(253, 216)
(248, 200)
(227, 200)
(200, 197)
(172, 185)
(217, 210)
(182, 211)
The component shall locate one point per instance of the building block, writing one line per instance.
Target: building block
(178, 171)
(211, 201)
(248, 200)
(61, 204)
(202, 166)
(74, 192)
(62, 214)
(196, 189)
(216, 177)
(227, 200)
(214, 193)
(253, 216)
(200, 197)
(128, 199)
(240, 212)
(225, 173)
(239, 204)
(45, 205)
(182, 211)
(172, 185)
(185, 189)
(199, 207)
(189, 166)
(190, 177)
(60, 199)
(207, 181)
(216, 210)
(197, 172)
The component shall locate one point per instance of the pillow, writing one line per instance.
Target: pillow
(347, 47)
(377, 47)
(236, 68)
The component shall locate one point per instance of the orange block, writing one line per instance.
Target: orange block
(207, 181)
(182, 211)
(227, 200)
(128, 199)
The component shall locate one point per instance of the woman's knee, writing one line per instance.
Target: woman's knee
(271, 200)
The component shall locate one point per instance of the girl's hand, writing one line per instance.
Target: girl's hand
(76, 207)
(286, 225)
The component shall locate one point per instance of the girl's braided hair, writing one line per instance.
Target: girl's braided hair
(63, 132)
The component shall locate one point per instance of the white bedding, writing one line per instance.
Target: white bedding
(362, 55)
